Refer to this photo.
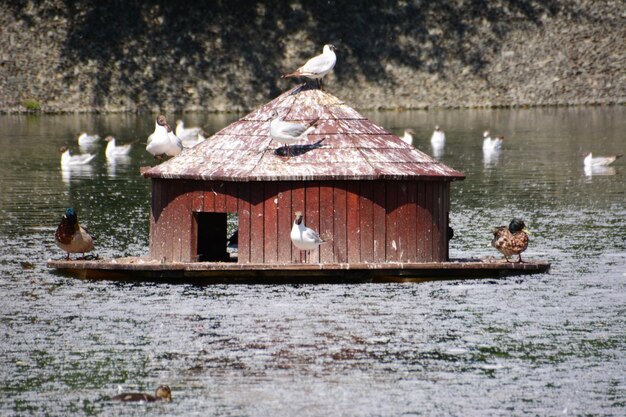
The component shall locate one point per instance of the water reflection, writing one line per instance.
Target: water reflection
(435, 348)
(590, 171)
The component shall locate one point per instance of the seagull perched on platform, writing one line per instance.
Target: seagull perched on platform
(68, 159)
(289, 132)
(408, 136)
(302, 237)
(163, 141)
(317, 67)
(190, 136)
(71, 236)
(112, 151)
(512, 240)
(599, 161)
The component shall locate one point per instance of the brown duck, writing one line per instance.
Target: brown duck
(162, 393)
(71, 236)
(512, 240)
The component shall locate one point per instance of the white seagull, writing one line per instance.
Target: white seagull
(190, 136)
(302, 237)
(318, 66)
(289, 132)
(113, 151)
(84, 139)
(408, 136)
(163, 141)
(438, 139)
(491, 144)
(73, 160)
(599, 161)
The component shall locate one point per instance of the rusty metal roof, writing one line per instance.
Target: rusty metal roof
(344, 146)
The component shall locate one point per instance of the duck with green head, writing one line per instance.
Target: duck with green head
(71, 236)
(512, 240)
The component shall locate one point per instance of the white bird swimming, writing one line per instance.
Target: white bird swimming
(438, 138)
(318, 66)
(491, 144)
(113, 151)
(68, 159)
(163, 141)
(599, 161)
(85, 139)
(190, 136)
(302, 237)
(408, 136)
(289, 132)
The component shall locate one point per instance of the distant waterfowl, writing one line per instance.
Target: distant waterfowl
(162, 393)
(289, 133)
(491, 144)
(112, 151)
(163, 141)
(438, 138)
(68, 159)
(512, 240)
(190, 136)
(302, 237)
(408, 136)
(599, 161)
(317, 67)
(71, 236)
(85, 139)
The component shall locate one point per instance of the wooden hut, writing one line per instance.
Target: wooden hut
(372, 197)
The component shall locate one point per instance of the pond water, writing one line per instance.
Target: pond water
(547, 344)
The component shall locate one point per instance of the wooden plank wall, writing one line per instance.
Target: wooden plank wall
(364, 221)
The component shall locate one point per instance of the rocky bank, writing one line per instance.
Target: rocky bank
(83, 56)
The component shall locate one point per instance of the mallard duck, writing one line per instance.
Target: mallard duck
(408, 136)
(71, 236)
(289, 132)
(599, 161)
(162, 393)
(163, 141)
(302, 237)
(318, 66)
(68, 159)
(512, 240)
(112, 151)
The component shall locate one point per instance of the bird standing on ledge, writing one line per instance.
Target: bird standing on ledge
(72, 237)
(289, 132)
(317, 67)
(302, 237)
(512, 240)
(162, 393)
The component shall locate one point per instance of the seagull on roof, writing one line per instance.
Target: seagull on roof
(112, 151)
(599, 161)
(317, 67)
(190, 136)
(408, 136)
(289, 132)
(68, 159)
(302, 237)
(163, 141)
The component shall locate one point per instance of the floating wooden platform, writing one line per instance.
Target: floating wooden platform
(144, 269)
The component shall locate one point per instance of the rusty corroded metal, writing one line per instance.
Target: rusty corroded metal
(344, 146)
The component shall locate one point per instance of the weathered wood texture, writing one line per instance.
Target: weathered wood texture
(344, 146)
(361, 221)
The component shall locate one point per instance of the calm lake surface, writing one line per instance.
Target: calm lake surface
(547, 344)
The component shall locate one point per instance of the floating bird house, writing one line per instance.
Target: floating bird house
(373, 198)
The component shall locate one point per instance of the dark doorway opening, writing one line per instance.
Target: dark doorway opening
(212, 237)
